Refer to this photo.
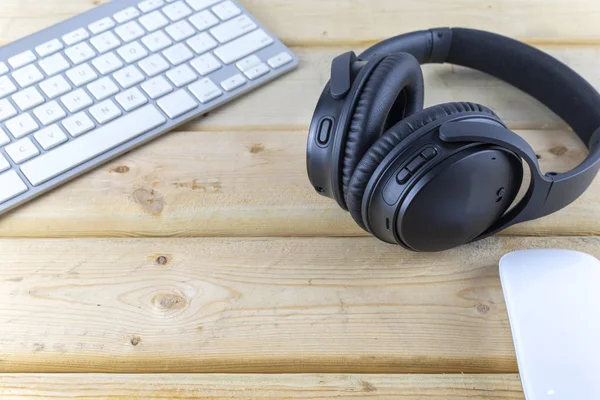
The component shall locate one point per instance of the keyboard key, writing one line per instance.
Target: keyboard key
(156, 41)
(21, 59)
(258, 71)
(105, 111)
(202, 43)
(76, 100)
(243, 46)
(22, 150)
(280, 60)
(107, 63)
(198, 5)
(101, 25)
(180, 30)
(181, 75)
(6, 110)
(21, 125)
(81, 74)
(132, 52)
(27, 76)
(178, 53)
(205, 64)
(131, 99)
(27, 98)
(204, 20)
(156, 87)
(247, 63)
(6, 86)
(177, 103)
(233, 29)
(128, 76)
(3, 68)
(78, 124)
(102, 88)
(153, 21)
(176, 11)
(130, 31)
(55, 86)
(205, 90)
(126, 15)
(50, 137)
(4, 164)
(49, 113)
(155, 64)
(11, 186)
(80, 53)
(75, 36)
(226, 10)
(99, 141)
(50, 47)
(150, 5)
(105, 42)
(4, 139)
(233, 82)
(54, 64)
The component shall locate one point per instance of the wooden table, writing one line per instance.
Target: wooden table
(207, 251)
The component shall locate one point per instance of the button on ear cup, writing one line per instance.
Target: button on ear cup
(393, 137)
(393, 91)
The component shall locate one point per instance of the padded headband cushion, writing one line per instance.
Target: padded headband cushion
(551, 82)
(377, 107)
(536, 73)
(390, 140)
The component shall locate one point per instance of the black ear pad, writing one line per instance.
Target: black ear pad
(393, 91)
(394, 136)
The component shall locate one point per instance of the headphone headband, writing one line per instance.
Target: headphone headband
(534, 72)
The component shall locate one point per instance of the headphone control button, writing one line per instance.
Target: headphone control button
(324, 131)
(429, 153)
(416, 163)
(403, 176)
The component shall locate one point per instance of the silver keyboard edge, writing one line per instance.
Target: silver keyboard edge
(83, 20)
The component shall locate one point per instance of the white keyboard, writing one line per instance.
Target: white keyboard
(86, 90)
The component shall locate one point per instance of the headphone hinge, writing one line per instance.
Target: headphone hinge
(441, 41)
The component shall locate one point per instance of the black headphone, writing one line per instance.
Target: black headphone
(434, 179)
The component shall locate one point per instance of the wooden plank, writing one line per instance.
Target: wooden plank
(300, 90)
(310, 22)
(220, 386)
(324, 22)
(239, 184)
(296, 305)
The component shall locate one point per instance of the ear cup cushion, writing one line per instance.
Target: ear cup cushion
(377, 107)
(394, 136)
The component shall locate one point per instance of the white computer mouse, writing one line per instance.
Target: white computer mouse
(553, 303)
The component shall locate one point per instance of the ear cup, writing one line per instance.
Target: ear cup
(393, 137)
(392, 91)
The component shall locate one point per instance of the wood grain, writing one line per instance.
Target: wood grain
(239, 184)
(221, 386)
(317, 22)
(256, 305)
